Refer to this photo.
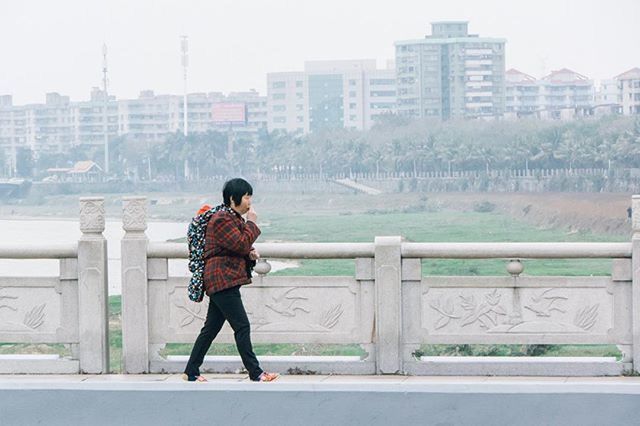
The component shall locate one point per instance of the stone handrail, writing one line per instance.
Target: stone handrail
(38, 251)
(516, 250)
(277, 250)
(69, 309)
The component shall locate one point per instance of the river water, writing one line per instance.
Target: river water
(37, 231)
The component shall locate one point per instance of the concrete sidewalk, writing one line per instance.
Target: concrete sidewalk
(160, 380)
(161, 399)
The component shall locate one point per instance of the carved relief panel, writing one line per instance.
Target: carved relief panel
(29, 310)
(292, 307)
(516, 310)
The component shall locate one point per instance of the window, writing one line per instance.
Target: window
(278, 85)
(381, 81)
(299, 95)
(299, 119)
(279, 120)
(279, 108)
(278, 96)
(299, 83)
(299, 107)
(381, 105)
(352, 94)
(352, 117)
(383, 93)
(352, 82)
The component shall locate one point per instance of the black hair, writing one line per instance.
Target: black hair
(235, 189)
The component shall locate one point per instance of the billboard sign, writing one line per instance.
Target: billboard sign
(229, 113)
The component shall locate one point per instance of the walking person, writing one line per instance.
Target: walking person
(229, 256)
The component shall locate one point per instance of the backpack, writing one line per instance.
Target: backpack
(196, 238)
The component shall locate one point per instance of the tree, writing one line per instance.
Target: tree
(24, 162)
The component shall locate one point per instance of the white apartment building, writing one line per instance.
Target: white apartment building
(256, 105)
(608, 98)
(522, 94)
(60, 124)
(88, 119)
(629, 91)
(562, 94)
(49, 127)
(330, 94)
(565, 93)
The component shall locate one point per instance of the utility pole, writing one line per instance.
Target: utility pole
(184, 47)
(105, 116)
(185, 64)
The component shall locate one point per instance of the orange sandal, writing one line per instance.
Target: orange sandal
(199, 379)
(267, 377)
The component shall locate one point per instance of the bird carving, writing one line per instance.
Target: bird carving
(544, 303)
(287, 304)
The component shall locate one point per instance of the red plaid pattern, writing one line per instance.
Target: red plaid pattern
(228, 241)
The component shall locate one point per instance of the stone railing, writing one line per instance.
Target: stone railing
(68, 309)
(390, 309)
(388, 306)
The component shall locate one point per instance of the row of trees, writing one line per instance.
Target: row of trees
(394, 145)
(413, 147)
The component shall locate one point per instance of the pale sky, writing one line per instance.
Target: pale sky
(56, 45)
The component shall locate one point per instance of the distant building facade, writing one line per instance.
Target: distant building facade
(522, 94)
(451, 74)
(629, 91)
(351, 94)
(608, 98)
(562, 94)
(60, 124)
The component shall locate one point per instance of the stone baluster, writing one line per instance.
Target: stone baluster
(135, 295)
(388, 287)
(93, 349)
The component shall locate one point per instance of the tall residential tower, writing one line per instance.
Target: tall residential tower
(451, 74)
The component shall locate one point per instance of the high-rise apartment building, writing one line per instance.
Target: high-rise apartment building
(330, 94)
(451, 73)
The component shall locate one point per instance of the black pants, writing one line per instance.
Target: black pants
(225, 305)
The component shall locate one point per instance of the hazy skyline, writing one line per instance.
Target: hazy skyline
(57, 46)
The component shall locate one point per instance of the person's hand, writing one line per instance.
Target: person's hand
(254, 255)
(252, 215)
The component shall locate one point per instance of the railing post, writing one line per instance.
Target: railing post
(388, 305)
(135, 306)
(92, 288)
(635, 289)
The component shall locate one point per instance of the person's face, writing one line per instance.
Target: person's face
(244, 205)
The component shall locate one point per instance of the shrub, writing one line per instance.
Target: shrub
(484, 207)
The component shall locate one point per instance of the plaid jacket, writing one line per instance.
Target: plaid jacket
(228, 241)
